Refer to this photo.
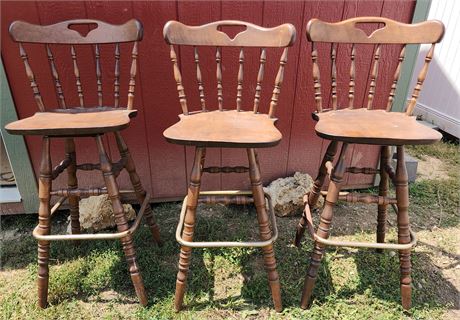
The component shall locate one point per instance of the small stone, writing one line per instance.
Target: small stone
(96, 213)
(392, 253)
(287, 194)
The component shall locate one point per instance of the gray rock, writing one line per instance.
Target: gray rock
(287, 193)
(96, 213)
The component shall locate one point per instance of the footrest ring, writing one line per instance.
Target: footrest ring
(95, 236)
(355, 244)
(226, 244)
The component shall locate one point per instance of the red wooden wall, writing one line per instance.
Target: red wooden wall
(164, 166)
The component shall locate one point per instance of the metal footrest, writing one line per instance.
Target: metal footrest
(95, 236)
(355, 244)
(226, 244)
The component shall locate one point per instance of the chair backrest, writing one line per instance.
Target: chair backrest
(283, 36)
(62, 34)
(389, 32)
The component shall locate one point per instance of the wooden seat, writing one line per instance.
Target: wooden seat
(354, 125)
(73, 122)
(229, 128)
(237, 128)
(79, 122)
(376, 127)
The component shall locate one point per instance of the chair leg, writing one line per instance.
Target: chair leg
(402, 197)
(316, 189)
(137, 186)
(324, 225)
(72, 183)
(264, 228)
(189, 226)
(121, 221)
(383, 191)
(44, 213)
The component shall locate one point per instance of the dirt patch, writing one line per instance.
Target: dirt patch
(7, 235)
(431, 168)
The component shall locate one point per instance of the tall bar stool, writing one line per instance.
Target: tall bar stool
(86, 120)
(230, 129)
(355, 125)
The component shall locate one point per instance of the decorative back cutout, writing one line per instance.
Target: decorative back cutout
(72, 33)
(175, 32)
(393, 31)
(231, 30)
(60, 33)
(82, 28)
(229, 33)
(370, 30)
(369, 27)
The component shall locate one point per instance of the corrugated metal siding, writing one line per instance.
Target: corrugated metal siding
(439, 102)
(163, 166)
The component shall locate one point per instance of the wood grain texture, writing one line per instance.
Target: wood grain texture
(300, 150)
(135, 137)
(359, 126)
(260, 78)
(61, 33)
(209, 34)
(363, 56)
(189, 226)
(369, 155)
(199, 79)
(264, 228)
(121, 221)
(305, 148)
(249, 11)
(402, 196)
(197, 13)
(230, 129)
(55, 74)
(324, 226)
(392, 31)
(44, 222)
(168, 172)
(72, 123)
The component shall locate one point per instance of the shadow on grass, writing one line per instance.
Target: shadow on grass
(86, 271)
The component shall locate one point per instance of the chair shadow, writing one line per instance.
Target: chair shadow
(430, 287)
(158, 266)
(255, 290)
(378, 274)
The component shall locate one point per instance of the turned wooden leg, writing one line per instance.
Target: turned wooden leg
(383, 191)
(323, 228)
(137, 186)
(402, 197)
(316, 190)
(72, 183)
(189, 226)
(264, 228)
(44, 213)
(121, 221)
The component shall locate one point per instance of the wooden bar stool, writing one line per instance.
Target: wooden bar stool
(230, 129)
(351, 125)
(85, 120)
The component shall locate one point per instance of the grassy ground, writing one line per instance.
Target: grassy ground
(91, 281)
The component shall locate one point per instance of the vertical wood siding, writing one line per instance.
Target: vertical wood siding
(440, 103)
(163, 167)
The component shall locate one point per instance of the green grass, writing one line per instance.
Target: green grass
(440, 195)
(91, 281)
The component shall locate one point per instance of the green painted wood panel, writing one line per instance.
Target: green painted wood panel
(16, 148)
(422, 8)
